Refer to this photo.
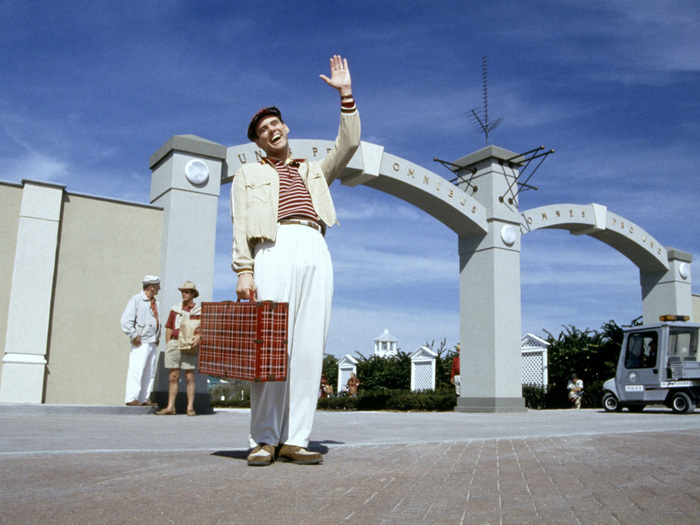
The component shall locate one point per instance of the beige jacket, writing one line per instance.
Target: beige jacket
(255, 193)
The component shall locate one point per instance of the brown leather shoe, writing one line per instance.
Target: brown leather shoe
(261, 456)
(150, 403)
(165, 412)
(299, 455)
(134, 403)
(191, 413)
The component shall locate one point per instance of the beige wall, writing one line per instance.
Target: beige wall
(10, 204)
(696, 308)
(105, 249)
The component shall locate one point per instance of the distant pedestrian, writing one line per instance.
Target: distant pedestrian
(455, 377)
(575, 388)
(141, 322)
(352, 385)
(324, 385)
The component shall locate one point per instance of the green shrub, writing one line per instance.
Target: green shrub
(535, 396)
(233, 394)
(428, 401)
(385, 399)
(337, 403)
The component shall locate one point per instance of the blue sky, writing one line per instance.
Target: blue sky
(91, 89)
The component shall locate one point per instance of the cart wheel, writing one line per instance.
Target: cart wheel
(682, 404)
(610, 403)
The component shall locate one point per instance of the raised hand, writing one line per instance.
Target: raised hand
(340, 76)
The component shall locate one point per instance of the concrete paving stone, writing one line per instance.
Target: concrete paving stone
(537, 467)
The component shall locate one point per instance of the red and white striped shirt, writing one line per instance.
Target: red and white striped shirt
(295, 200)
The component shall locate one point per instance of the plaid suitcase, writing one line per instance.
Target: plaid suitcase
(244, 340)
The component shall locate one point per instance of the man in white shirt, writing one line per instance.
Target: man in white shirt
(141, 322)
(575, 387)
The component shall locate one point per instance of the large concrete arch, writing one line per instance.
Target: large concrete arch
(487, 222)
(664, 272)
(372, 167)
(596, 221)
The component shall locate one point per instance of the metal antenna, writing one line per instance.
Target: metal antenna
(482, 124)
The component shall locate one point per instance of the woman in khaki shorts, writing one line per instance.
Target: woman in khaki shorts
(176, 359)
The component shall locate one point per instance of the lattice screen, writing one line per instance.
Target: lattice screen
(533, 367)
(423, 374)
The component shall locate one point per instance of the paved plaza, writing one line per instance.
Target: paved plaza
(111, 465)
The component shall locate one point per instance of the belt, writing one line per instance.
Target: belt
(301, 222)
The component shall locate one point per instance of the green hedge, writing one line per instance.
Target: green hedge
(557, 396)
(384, 399)
(443, 400)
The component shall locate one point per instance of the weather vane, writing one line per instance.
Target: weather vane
(480, 116)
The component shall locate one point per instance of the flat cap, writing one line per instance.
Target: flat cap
(264, 112)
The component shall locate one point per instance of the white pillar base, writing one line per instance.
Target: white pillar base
(22, 378)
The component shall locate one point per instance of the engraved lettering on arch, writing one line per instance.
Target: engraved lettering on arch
(241, 158)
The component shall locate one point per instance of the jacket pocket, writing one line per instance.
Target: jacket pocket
(258, 192)
(317, 184)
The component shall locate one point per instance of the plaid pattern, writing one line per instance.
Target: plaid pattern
(245, 341)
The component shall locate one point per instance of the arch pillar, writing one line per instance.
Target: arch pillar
(190, 204)
(668, 292)
(489, 281)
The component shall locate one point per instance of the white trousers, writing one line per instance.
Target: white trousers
(142, 370)
(296, 269)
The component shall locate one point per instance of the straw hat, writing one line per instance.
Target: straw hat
(189, 285)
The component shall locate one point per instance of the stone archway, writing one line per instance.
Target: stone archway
(488, 225)
(374, 168)
(664, 272)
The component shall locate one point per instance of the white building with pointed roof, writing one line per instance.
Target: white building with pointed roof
(346, 366)
(533, 352)
(423, 369)
(385, 345)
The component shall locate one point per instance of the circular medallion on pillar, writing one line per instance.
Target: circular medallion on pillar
(684, 270)
(197, 172)
(508, 235)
